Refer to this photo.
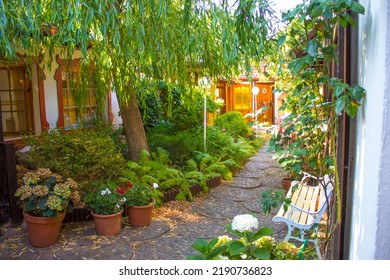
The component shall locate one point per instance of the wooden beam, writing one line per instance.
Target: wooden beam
(1, 124)
(9, 181)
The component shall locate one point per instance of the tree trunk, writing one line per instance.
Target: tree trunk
(133, 126)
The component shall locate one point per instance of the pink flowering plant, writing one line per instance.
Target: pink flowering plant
(46, 194)
(250, 244)
(106, 199)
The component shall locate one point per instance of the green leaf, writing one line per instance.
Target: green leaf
(352, 110)
(323, 79)
(200, 245)
(281, 41)
(339, 90)
(236, 248)
(212, 243)
(217, 251)
(261, 254)
(312, 48)
(263, 232)
(196, 257)
(358, 92)
(358, 8)
(339, 106)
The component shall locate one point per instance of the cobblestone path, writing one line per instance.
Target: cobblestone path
(174, 229)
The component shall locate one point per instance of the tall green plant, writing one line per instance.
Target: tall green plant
(316, 98)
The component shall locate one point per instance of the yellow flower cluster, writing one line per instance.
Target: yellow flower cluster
(72, 184)
(44, 173)
(222, 240)
(266, 242)
(62, 190)
(24, 192)
(40, 190)
(76, 199)
(30, 178)
(286, 251)
(44, 193)
(54, 203)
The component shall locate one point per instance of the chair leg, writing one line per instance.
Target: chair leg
(317, 249)
(289, 231)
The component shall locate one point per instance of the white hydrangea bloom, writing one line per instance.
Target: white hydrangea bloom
(244, 222)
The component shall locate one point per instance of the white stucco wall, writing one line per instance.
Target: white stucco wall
(51, 97)
(50, 85)
(370, 130)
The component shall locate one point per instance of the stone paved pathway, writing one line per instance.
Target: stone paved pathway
(169, 237)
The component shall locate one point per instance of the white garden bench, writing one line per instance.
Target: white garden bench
(307, 207)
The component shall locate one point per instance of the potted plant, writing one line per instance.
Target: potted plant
(140, 200)
(106, 205)
(45, 198)
(248, 243)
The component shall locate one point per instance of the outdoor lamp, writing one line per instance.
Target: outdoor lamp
(205, 84)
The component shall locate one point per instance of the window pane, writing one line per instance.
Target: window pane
(14, 103)
(17, 79)
(4, 83)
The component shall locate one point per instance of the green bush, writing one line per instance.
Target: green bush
(86, 155)
(157, 168)
(180, 146)
(234, 124)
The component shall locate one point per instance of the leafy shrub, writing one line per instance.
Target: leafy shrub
(86, 155)
(156, 168)
(180, 145)
(234, 123)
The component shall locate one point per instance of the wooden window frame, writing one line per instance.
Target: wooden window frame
(28, 100)
(64, 66)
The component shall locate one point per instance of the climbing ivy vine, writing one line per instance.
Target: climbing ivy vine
(316, 99)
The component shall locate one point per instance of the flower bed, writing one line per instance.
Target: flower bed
(82, 214)
(214, 182)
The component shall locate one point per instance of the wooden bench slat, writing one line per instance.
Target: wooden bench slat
(308, 205)
(310, 197)
(299, 201)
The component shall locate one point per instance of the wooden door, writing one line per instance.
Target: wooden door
(242, 98)
(265, 100)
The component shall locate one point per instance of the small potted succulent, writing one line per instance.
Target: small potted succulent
(106, 205)
(45, 198)
(140, 200)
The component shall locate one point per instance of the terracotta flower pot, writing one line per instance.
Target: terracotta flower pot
(108, 224)
(286, 182)
(43, 231)
(140, 216)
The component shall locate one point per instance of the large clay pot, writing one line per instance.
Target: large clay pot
(43, 231)
(108, 224)
(140, 216)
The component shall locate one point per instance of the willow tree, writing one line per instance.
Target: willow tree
(133, 44)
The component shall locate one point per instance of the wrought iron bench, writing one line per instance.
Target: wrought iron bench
(307, 208)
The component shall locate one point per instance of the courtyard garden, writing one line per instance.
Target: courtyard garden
(199, 172)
